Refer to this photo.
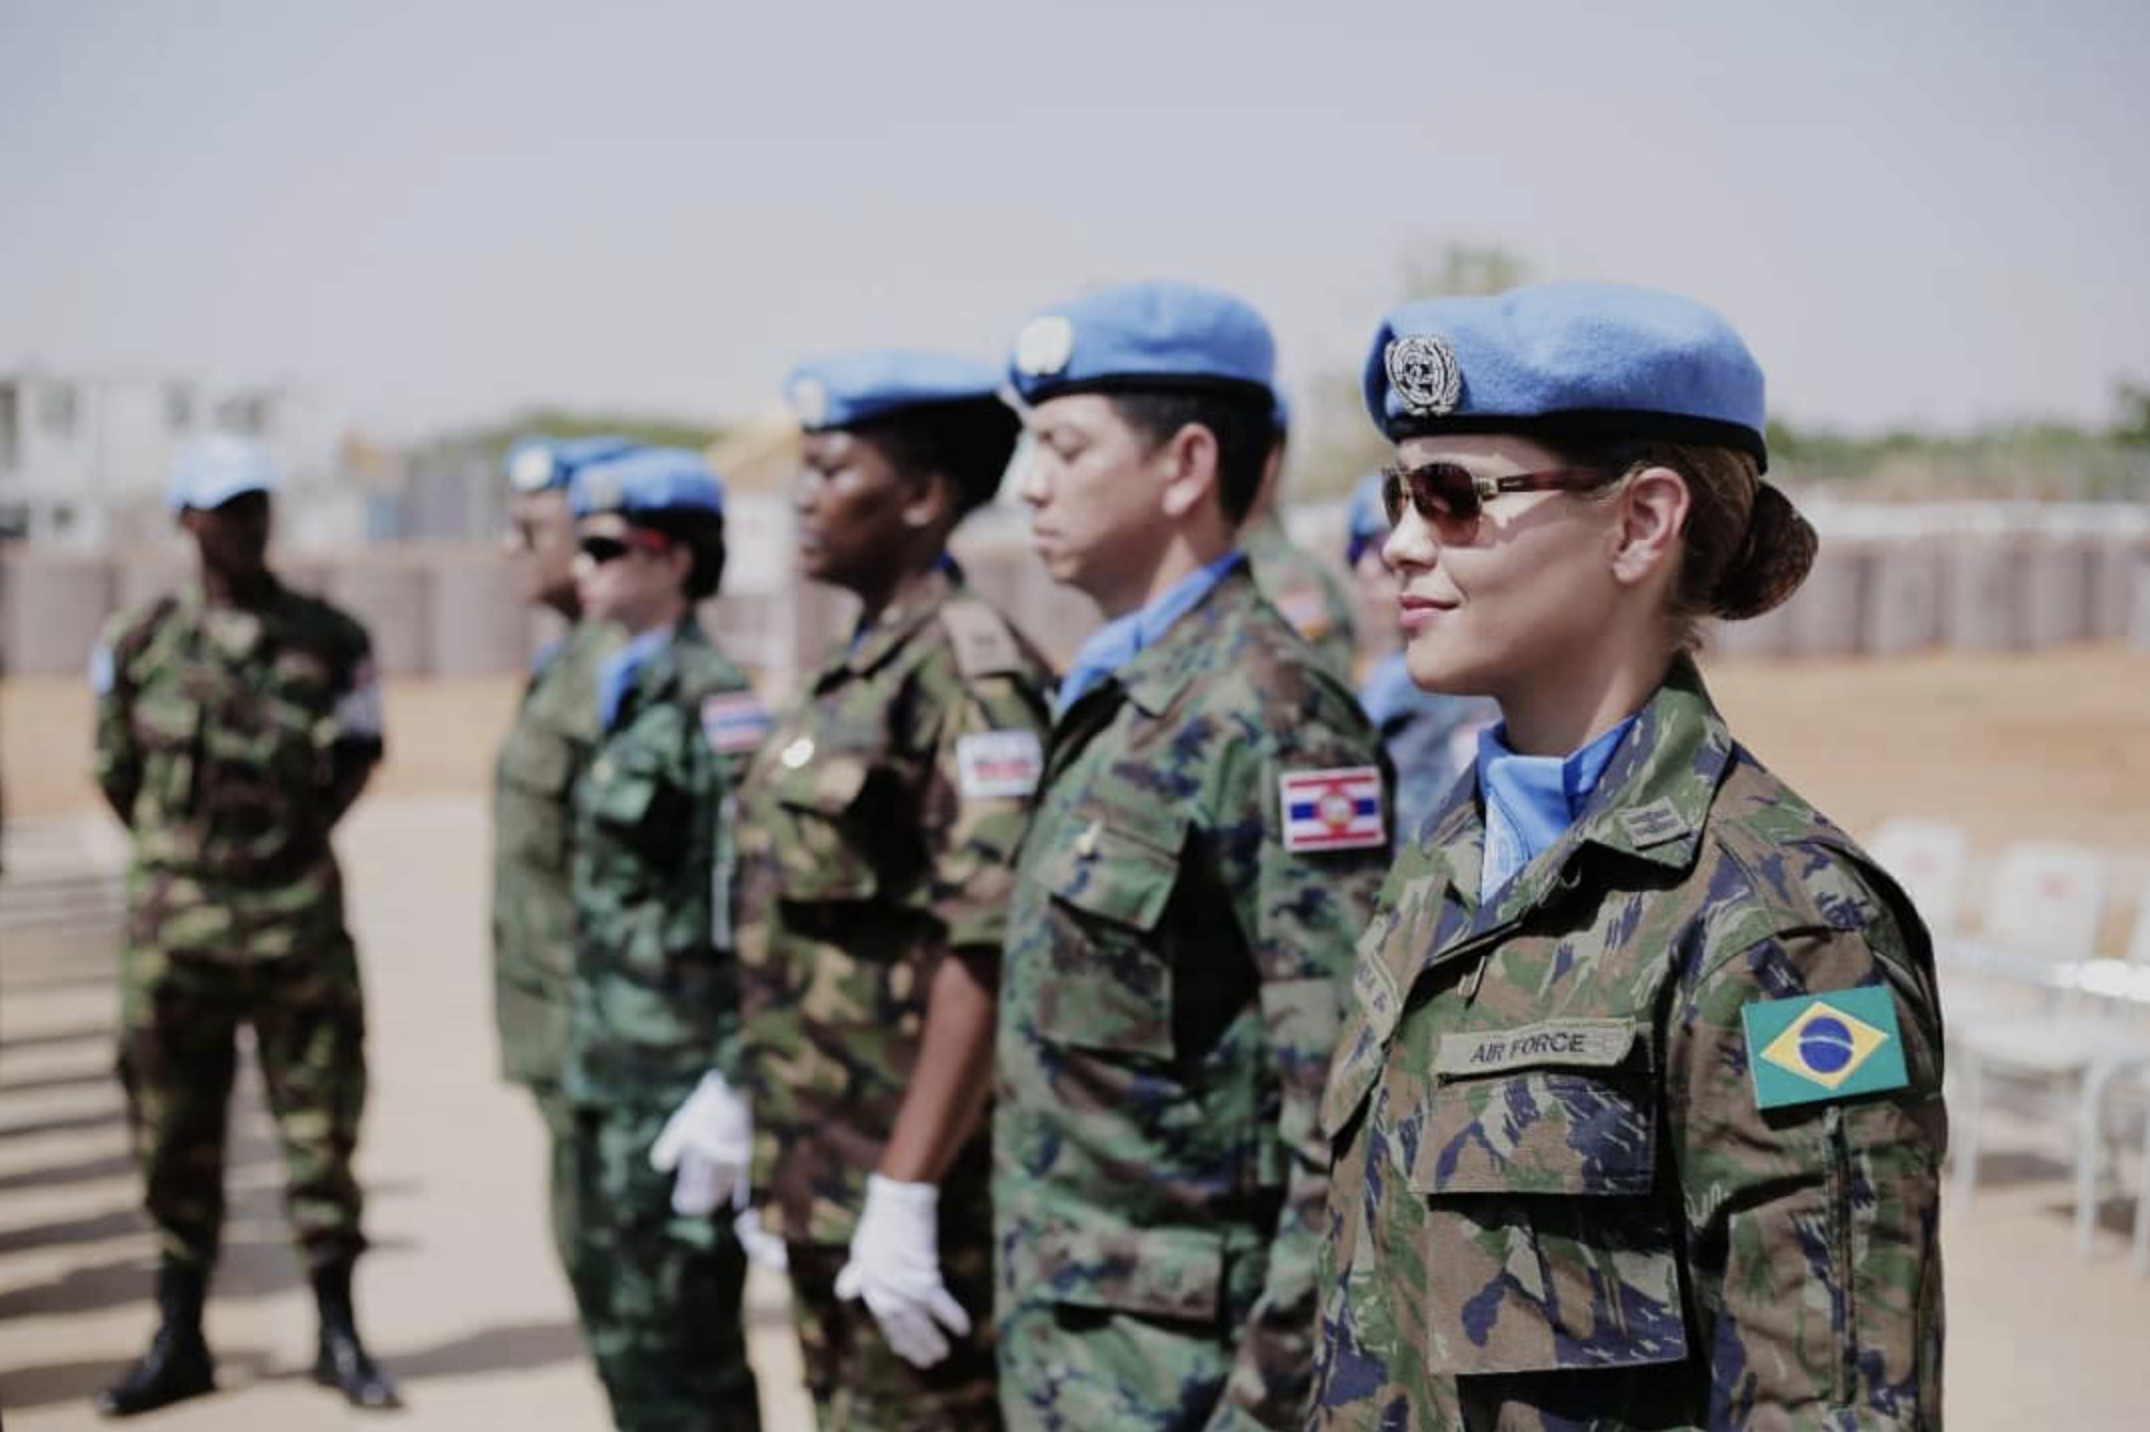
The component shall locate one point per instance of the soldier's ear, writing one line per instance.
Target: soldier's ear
(1189, 459)
(932, 502)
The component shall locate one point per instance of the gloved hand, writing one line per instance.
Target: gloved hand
(763, 1248)
(895, 1266)
(710, 1141)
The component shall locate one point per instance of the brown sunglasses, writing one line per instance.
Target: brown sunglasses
(1449, 497)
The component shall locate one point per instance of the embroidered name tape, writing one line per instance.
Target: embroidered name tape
(998, 764)
(734, 724)
(1337, 809)
(1823, 1046)
(1587, 1043)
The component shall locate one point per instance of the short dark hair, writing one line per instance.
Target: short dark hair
(970, 440)
(702, 534)
(1243, 423)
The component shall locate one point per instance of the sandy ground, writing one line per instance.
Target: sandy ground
(461, 1296)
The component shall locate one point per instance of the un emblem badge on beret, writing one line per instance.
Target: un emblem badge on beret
(1422, 371)
(1044, 346)
(531, 470)
(810, 402)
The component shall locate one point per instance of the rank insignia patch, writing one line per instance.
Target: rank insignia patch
(1824, 1046)
(1337, 809)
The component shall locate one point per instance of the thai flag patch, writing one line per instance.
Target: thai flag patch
(734, 723)
(994, 765)
(1332, 810)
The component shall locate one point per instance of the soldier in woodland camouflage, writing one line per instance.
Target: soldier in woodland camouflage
(533, 815)
(1637, 1112)
(878, 842)
(236, 723)
(1210, 832)
(654, 1001)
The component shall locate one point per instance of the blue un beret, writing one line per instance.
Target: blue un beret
(1144, 336)
(847, 389)
(647, 480)
(541, 464)
(1366, 521)
(1624, 362)
(211, 471)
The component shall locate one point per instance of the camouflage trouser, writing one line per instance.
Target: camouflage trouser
(179, 1019)
(559, 1116)
(659, 1294)
(1076, 1369)
(858, 1382)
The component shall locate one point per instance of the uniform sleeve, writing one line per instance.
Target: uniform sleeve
(1814, 1228)
(1302, 914)
(117, 762)
(987, 757)
(359, 717)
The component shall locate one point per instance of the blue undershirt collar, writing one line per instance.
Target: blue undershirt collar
(621, 668)
(1532, 800)
(1112, 646)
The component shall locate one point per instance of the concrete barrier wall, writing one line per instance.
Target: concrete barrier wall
(1896, 582)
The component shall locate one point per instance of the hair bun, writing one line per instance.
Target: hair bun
(1774, 558)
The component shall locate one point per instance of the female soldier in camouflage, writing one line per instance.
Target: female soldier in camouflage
(880, 827)
(654, 999)
(1637, 1116)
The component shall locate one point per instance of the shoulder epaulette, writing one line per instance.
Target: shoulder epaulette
(984, 645)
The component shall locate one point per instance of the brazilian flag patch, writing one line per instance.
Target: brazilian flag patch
(1823, 1046)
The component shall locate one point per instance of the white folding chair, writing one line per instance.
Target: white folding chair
(1929, 858)
(2041, 928)
(2120, 1077)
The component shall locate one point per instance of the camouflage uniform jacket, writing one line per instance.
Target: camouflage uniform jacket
(1555, 1201)
(1171, 994)
(880, 828)
(655, 1001)
(225, 738)
(1304, 588)
(554, 734)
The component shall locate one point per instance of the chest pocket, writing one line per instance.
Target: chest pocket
(1109, 982)
(821, 856)
(1535, 1188)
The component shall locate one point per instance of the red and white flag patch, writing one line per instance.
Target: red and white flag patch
(999, 764)
(734, 723)
(1336, 809)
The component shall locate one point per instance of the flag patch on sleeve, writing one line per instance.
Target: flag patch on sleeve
(734, 723)
(1823, 1046)
(999, 764)
(1336, 809)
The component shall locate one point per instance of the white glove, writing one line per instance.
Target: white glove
(710, 1141)
(763, 1248)
(896, 1267)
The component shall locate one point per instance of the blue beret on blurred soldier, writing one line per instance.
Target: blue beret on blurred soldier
(1148, 335)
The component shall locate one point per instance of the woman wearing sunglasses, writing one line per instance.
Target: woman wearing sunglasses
(657, 1270)
(1637, 1116)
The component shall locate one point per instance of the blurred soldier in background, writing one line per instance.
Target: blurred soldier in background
(555, 730)
(236, 722)
(1431, 738)
(1294, 580)
(1210, 832)
(882, 821)
(655, 999)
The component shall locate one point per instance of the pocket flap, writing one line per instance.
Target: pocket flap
(1537, 1131)
(829, 785)
(1114, 874)
(1161, 1272)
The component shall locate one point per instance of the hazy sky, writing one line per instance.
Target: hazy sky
(1919, 212)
